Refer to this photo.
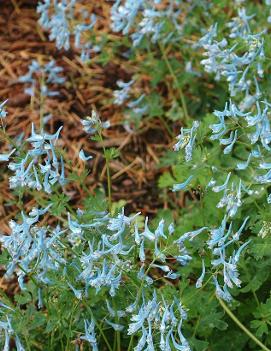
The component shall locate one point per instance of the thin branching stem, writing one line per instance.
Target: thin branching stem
(176, 81)
(241, 326)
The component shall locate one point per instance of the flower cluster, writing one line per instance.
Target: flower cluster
(147, 18)
(6, 329)
(223, 58)
(58, 17)
(41, 76)
(246, 123)
(136, 106)
(32, 248)
(157, 318)
(40, 168)
(93, 124)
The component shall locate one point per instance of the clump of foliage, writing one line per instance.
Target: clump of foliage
(193, 278)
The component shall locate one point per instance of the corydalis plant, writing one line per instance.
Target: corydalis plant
(40, 168)
(101, 264)
(236, 127)
(147, 19)
(40, 77)
(238, 59)
(98, 275)
(60, 18)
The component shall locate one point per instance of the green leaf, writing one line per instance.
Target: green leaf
(260, 326)
(166, 180)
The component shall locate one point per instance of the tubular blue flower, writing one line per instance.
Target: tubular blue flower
(115, 313)
(142, 341)
(122, 94)
(159, 232)
(172, 275)
(18, 344)
(207, 39)
(225, 62)
(180, 347)
(5, 157)
(3, 112)
(236, 236)
(200, 279)
(239, 25)
(82, 27)
(147, 233)
(219, 188)
(83, 156)
(186, 140)
(222, 293)
(115, 326)
(40, 300)
(50, 75)
(142, 276)
(231, 141)
(92, 124)
(135, 103)
(59, 27)
(171, 229)
(136, 234)
(90, 335)
(236, 255)
(33, 249)
(182, 186)
(230, 274)
(183, 258)
(119, 223)
(190, 235)
(231, 199)
(142, 256)
(244, 165)
(78, 293)
(217, 234)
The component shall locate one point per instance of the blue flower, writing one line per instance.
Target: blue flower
(122, 94)
(200, 279)
(123, 16)
(42, 76)
(190, 235)
(90, 335)
(230, 142)
(222, 293)
(93, 124)
(182, 186)
(83, 157)
(3, 112)
(186, 140)
(5, 157)
(219, 188)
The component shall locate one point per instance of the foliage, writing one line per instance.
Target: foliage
(197, 276)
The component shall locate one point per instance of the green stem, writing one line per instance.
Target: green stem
(131, 343)
(109, 184)
(104, 337)
(29, 276)
(171, 71)
(117, 333)
(42, 99)
(241, 326)
(6, 136)
(70, 324)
